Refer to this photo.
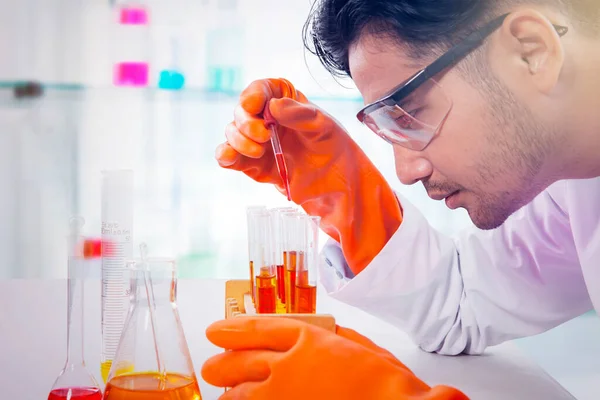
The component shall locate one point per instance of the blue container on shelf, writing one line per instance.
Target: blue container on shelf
(171, 80)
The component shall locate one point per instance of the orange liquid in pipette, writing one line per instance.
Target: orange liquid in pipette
(148, 386)
(283, 174)
(270, 123)
(266, 292)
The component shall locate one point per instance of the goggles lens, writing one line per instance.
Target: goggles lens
(415, 120)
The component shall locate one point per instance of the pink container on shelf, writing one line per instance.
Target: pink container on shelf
(131, 74)
(133, 16)
(131, 44)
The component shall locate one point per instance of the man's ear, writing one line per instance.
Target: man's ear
(535, 47)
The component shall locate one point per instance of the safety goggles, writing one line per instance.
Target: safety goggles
(412, 114)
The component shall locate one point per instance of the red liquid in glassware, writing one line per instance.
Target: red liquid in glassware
(79, 393)
(283, 173)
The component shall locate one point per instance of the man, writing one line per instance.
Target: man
(493, 106)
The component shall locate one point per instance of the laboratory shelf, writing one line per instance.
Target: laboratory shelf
(186, 93)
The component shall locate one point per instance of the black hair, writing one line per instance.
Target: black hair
(334, 25)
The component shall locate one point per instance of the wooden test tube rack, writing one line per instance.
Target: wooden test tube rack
(238, 299)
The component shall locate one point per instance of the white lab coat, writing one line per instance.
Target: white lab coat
(461, 295)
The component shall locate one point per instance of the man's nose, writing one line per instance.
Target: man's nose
(411, 166)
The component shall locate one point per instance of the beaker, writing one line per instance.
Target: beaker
(152, 360)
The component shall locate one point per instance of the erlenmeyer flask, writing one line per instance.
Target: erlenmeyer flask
(75, 381)
(152, 361)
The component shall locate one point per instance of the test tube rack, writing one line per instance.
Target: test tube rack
(238, 303)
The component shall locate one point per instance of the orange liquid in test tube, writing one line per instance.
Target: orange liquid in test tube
(305, 301)
(292, 261)
(266, 292)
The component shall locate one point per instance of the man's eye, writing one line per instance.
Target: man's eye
(406, 119)
(413, 113)
(409, 107)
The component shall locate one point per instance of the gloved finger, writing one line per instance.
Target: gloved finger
(245, 391)
(240, 143)
(229, 158)
(298, 116)
(255, 96)
(226, 155)
(278, 334)
(368, 343)
(252, 127)
(258, 93)
(232, 368)
(356, 337)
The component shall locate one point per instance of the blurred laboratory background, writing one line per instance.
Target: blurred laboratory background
(93, 85)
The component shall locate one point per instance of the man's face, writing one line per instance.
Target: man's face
(487, 156)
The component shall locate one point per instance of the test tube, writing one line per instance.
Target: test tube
(277, 251)
(292, 254)
(306, 272)
(251, 226)
(266, 291)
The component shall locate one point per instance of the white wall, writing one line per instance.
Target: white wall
(167, 138)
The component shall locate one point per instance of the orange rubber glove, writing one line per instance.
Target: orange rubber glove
(282, 358)
(330, 176)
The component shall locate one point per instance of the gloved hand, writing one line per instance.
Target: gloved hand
(282, 358)
(330, 176)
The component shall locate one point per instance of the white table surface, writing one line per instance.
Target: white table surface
(33, 339)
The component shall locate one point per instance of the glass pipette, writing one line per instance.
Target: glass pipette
(271, 124)
(152, 310)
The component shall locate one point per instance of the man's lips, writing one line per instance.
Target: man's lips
(452, 201)
(442, 196)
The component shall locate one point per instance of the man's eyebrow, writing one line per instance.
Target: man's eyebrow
(411, 65)
(389, 91)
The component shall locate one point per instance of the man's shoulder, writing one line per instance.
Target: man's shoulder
(577, 196)
(563, 191)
